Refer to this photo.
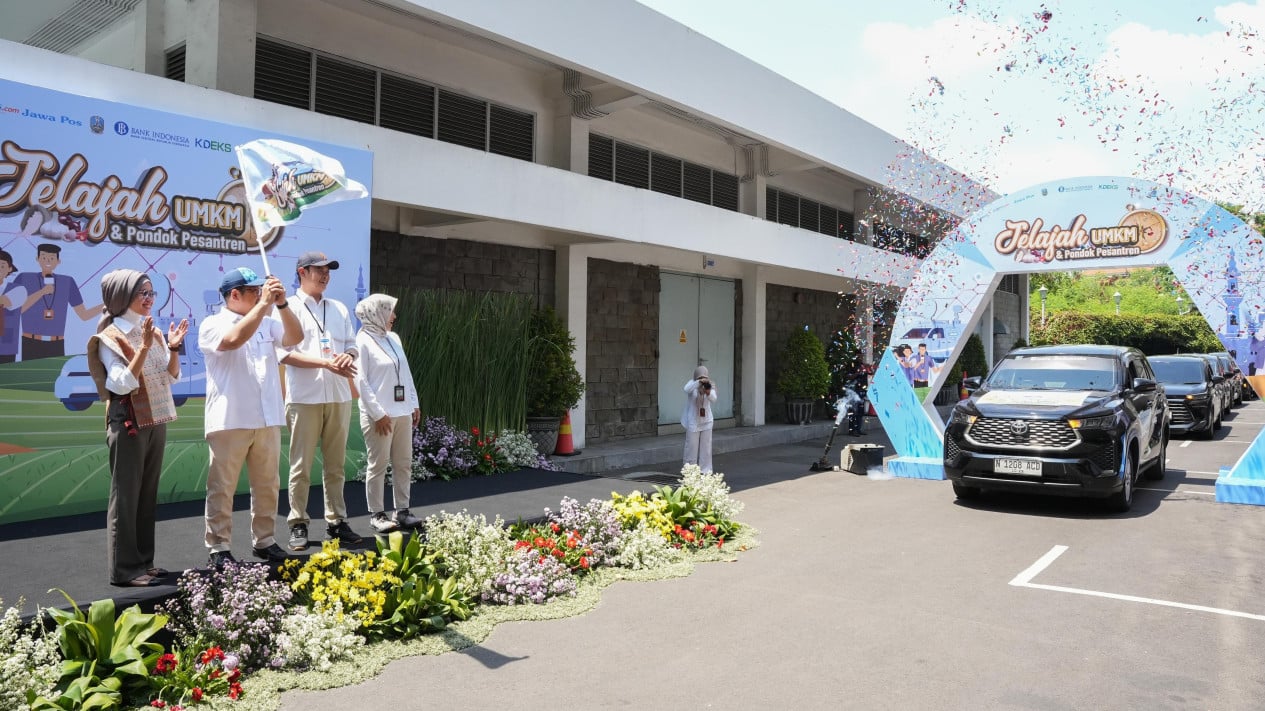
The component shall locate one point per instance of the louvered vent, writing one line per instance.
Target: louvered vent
(725, 190)
(698, 183)
(407, 106)
(788, 209)
(174, 68)
(632, 165)
(665, 174)
(283, 74)
(809, 217)
(511, 133)
(770, 204)
(82, 21)
(829, 221)
(846, 225)
(601, 157)
(462, 120)
(345, 90)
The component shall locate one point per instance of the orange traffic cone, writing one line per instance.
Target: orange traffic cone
(963, 393)
(566, 446)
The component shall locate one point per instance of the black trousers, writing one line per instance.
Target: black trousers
(136, 461)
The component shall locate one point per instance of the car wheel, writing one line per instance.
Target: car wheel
(1156, 471)
(966, 493)
(1216, 425)
(1122, 500)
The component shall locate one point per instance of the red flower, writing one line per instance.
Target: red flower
(234, 675)
(487, 457)
(196, 693)
(584, 562)
(215, 673)
(235, 690)
(211, 654)
(538, 542)
(521, 544)
(475, 431)
(158, 703)
(557, 553)
(165, 663)
(555, 527)
(543, 559)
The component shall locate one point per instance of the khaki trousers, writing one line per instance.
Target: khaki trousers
(327, 423)
(698, 448)
(260, 451)
(395, 449)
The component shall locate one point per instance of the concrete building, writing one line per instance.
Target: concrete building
(676, 202)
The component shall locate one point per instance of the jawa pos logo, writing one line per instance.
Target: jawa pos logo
(1139, 232)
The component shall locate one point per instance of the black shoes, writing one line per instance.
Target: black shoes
(298, 537)
(219, 560)
(343, 533)
(272, 554)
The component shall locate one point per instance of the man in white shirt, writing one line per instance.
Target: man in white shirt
(244, 408)
(318, 399)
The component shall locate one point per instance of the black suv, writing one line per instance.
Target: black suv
(1193, 390)
(1065, 420)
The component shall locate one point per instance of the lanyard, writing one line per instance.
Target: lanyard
(324, 314)
(395, 357)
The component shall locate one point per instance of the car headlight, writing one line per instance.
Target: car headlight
(957, 415)
(1197, 397)
(1092, 423)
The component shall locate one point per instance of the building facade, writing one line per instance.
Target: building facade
(677, 203)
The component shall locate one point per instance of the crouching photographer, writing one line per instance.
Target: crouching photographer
(700, 393)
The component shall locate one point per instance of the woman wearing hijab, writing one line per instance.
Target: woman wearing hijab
(389, 411)
(697, 419)
(133, 367)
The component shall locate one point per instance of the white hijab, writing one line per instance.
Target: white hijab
(374, 312)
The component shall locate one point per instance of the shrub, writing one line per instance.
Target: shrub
(29, 662)
(644, 546)
(554, 385)
(805, 373)
(518, 450)
(597, 522)
(972, 360)
(710, 488)
(474, 549)
(236, 608)
(530, 578)
(315, 640)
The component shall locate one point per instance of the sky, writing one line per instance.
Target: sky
(1019, 93)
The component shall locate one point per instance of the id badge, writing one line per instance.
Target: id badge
(399, 393)
(49, 314)
(327, 348)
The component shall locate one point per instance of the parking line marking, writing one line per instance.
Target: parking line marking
(1176, 491)
(1024, 580)
(1185, 444)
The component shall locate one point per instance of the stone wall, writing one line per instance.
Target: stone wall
(399, 262)
(622, 378)
(788, 309)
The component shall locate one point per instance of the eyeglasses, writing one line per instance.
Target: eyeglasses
(250, 290)
(147, 294)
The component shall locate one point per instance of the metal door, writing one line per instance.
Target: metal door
(696, 327)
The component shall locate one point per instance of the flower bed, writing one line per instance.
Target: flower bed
(240, 637)
(443, 451)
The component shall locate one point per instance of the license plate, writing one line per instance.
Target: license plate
(1022, 467)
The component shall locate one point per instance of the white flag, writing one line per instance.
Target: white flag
(282, 179)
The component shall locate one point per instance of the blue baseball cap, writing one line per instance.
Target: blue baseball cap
(238, 277)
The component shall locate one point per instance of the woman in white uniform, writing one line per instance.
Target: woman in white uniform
(697, 419)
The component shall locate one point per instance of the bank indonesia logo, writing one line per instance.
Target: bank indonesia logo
(96, 124)
(120, 127)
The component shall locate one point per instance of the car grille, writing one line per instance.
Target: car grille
(1181, 411)
(1107, 457)
(951, 451)
(1001, 432)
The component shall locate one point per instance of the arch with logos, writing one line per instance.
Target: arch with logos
(1067, 225)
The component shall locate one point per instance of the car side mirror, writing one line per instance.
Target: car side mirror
(972, 383)
(1217, 379)
(1143, 385)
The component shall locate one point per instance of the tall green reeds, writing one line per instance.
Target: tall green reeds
(469, 355)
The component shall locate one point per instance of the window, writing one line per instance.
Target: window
(304, 79)
(895, 239)
(639, 167)
(174, 68)
(791, 209)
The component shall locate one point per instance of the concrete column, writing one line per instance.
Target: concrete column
(220, 52)
(753, 197)
(754, 306)
(571, 284)
(571, 143)
(149, 43)
(985, 330)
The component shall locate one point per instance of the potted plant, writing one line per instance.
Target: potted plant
(805, 375)
(554, 385)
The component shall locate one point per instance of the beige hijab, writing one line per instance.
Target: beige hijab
(118, 288)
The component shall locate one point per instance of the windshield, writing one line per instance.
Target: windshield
(1183, 371)
(1054, 372)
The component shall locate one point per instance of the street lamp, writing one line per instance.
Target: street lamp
(1182, 309)
(1116, 297)
(1044, 292)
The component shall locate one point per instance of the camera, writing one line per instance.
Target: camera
(707, 385)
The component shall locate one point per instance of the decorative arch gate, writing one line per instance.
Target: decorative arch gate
(1081, 224)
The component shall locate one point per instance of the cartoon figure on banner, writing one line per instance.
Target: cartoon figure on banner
(42, 222)
(10, 314)
(44, 311)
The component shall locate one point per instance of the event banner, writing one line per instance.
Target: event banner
(90, 186)
(1092, 223)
